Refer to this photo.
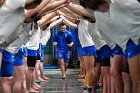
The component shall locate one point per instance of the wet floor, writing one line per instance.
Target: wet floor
(57, 85)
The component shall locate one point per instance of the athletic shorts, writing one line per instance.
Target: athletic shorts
(7, 56)
(0, 50)
(31, 52)
(31, 61)
(31, 58)
(42, 53)
(131, 49)
(80, 51)
(63, 54)
(38, 56)
(117, 50)
(19, 57)
(7, 69)
(103, 55)
(97, 57)
(25, 52)
(7, 64)
(90, 50)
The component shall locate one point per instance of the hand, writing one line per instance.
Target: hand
(30, 14)
(70, 45)
(68, 1)
(55, 43)
(2, 2)
(62, 16)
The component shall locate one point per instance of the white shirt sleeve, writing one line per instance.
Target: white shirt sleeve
(16, 4)
(129, 5)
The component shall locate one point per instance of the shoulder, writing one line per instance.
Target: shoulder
(68, 32)
(57, 32)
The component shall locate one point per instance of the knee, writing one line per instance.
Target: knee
(20, 79)
(7, 81)
(115, 74)
(62, 63)
(135, 78)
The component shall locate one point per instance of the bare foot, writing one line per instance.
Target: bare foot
(64, 77)
(45, 78)
(40, 79)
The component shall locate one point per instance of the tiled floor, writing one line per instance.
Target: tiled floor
(57, 85)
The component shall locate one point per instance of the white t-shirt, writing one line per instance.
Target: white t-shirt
(14, 45)
(96, 37)
(46, 34)
(83, 34)
(22, 38)
(106, 28)
(11, 17)
(34, 40)
(126, 15)
(129, 5)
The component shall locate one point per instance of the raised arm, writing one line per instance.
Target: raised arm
(44, 7)
(32, 13)
(43, 4)
(69, 23)
(40, 3)
(53, 24)
(80, 10)
(50, 19)
(47, 18)
(53, 5)
(68, 11)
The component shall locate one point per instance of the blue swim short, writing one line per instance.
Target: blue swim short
(80, 51)
(63, 54)
(117, 50)
(131, 49)
(90, 50)
(19, 57)
(6, 69)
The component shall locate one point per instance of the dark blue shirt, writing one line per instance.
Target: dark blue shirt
(62, 39)
(77, 41)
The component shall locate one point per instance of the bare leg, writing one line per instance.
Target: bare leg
(37, 71)
(82, 67)
(89, 63)
(101, 79)
(18, 79)
(42, 71)
(112, 79)
(66, 65)
(62, 64)
(25, 64)
(98, 71)
(116, 73)
(106, 80)
(29, 77)
(33, 84)
(127, 82)
(6, 84)
(134, 66)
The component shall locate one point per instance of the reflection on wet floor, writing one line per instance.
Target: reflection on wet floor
(57, 85)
